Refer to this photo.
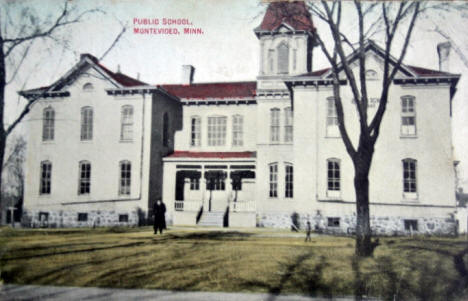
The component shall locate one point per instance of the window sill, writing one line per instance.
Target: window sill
(48, 142)
(332, 137)
(86, 141)
(126, 141)
(408, 136)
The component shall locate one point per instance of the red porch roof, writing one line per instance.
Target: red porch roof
(217, 155)
(213, 90)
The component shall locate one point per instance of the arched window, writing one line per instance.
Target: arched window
(46, 176)
(84, 185)
(126, 120)
(408, 116)
(283, 58)
(271, 61)
(333, 177)
(195, 127)
(288, 125)
(237, 130)
(48, 124)
(275, 125)
(289, 180)
(86, 123)
(125, 177)
(273, 169)
(409, 178)
(165, 129)
(88, 87)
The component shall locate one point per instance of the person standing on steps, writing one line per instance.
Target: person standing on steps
(159, 210)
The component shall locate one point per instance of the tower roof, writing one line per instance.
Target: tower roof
(293, 14)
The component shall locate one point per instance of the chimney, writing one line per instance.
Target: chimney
(443, 49)
(187, 74)
(138, 75)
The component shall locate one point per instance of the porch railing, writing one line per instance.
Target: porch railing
(242, 206)
(187, 205)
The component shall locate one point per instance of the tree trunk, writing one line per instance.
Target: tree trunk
(363, 230)
(2, 155)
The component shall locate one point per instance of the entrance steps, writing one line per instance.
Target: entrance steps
(212, 219)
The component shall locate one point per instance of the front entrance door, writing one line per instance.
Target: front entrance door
(180, 182)
(216, 187)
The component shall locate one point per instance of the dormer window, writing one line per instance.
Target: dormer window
(88, 87)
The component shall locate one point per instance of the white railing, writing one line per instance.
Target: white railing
(187, 205)
(242, 206)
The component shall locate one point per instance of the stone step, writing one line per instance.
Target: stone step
(212, 218)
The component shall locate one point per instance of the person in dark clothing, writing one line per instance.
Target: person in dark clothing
(308, 230)
(159, 210)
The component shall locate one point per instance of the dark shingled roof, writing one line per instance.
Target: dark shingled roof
(213, 90)
(295, 14)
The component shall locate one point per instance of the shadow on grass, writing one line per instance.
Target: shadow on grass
(212, 235)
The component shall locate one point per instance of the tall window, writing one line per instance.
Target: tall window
(273, 180)
(289, 181)
(46, 175)
(271, 60)
(195, 136)
(165, 129)
(126, 120)
(237, 130)
(332, 119)
(194, 183)
(283, 58)
(408, 116)
(274, 125)
(409, 178)
(125, 177)
(48, 123)
(333, 178)
(288, 125)
(217, 131)
(84, 185)
(294, 59)
(86, 123)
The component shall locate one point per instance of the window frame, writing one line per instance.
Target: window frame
(333, 222)
(195, 131)
(409, 223)
(271, 61)
(288, 180)
(332, 123)
(237, 130)
(275, 125)
(288, 125)
(194, 184)
(45, 180)
(126, 123)
(410, 182)
(334, 190)
(408, 112)
(217, 130)
(123, 218)
(86, 125)
(48, 124)
(84, 182)
(273, 180)
(82, 217)
(125, 179)
(88, 87)
(283, 58)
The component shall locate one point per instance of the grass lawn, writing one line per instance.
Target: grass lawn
(249, 261)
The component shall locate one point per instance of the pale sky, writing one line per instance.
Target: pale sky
(228, 50)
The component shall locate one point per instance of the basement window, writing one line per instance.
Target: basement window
(82, 217)
(333, 222)
(411, 225)
(123, 218)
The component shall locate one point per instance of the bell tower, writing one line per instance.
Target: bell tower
(287, 38)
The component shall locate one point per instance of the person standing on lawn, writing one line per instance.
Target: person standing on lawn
(159, 210)
(308, 230)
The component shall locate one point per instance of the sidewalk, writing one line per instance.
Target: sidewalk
(33, 292)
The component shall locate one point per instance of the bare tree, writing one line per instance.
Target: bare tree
(394, 22)
(16, 41)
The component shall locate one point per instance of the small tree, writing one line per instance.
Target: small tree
(391, 20)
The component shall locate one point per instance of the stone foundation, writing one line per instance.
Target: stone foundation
(388, 225)
(65, 219)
